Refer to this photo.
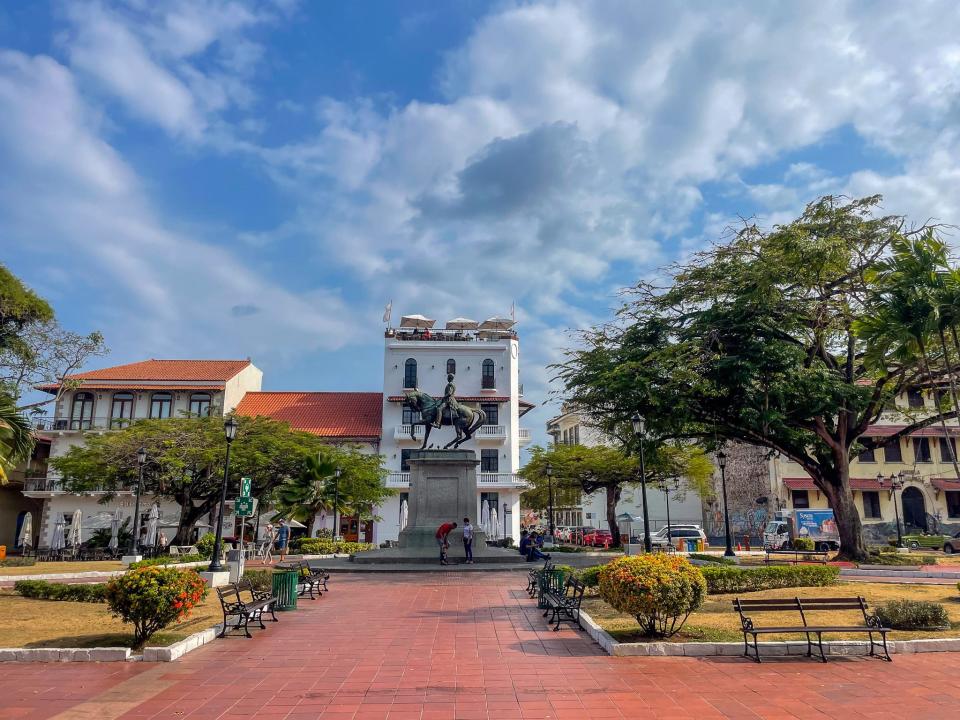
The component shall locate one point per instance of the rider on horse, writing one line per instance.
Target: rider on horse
(448, 402)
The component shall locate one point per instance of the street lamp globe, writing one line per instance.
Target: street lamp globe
(141, 456)
(548, 469)
(722, 459)
(639, 425)
(230, 429)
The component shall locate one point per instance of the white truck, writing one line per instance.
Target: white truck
(788, 525)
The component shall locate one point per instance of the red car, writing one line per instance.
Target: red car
(598, 538)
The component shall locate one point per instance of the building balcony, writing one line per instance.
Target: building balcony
(497, 433)
(402, 432)
(55, 424)
(50, 486)
(401, 480)
(524, 436)
(491, 432)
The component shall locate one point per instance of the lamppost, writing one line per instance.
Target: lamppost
(549, 471)
(230, 432)
(639, 428)
(722, 462)
(336, 505)
(666, 491)
(896, 483)
(135, 540)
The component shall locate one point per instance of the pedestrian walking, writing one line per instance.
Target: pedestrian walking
(283, 538)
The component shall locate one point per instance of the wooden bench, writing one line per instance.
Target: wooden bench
(233, 605)
(871, 624)
(794, 556)
(564, 605)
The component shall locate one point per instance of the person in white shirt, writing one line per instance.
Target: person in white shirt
(468, 540)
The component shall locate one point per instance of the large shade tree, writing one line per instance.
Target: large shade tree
(576, 470)
(754, 340)
(185, 460)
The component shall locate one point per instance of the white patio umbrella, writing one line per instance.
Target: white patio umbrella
(59, 541)
(114, 530)
(461, 323)
(485, 517)
(152, 521)
(498, 323)
(76, 529)
(26, 531)
(416, 321)
(404, 514)
(494, 524)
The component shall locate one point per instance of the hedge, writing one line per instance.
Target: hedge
(319, 546)
(166, 560)
(79, 592)
(18, 562)
(260, 579)
(590, 576)
(913, 615)
(715, 559)
(724, 579)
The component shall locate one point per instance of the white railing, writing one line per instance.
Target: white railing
(491, 431)
(512, 480)
(524, 435)
(402, 432)
(398, 480)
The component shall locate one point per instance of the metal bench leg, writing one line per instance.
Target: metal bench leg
(809, 646)
(820, 643)
(246, 622)
(756, 649)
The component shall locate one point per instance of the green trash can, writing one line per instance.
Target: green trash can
(550, 581)
(285, 588)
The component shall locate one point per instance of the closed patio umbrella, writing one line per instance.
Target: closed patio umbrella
(461, 323)
(114, 530)
(485, 517)
(76, 529)
(494, 524)
(58, 542)
(404, 514)
(152, 520)
(416, 321)
(26, 532)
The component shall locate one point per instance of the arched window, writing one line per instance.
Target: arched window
(81, 413)
(161, 405)
(121, 409)
(410, 373)
(200, 404)
(486, 375)
(451, 367)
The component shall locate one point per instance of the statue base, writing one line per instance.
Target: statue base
(443, 489)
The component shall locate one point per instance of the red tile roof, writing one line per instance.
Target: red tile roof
(190, 371)
(327, 414)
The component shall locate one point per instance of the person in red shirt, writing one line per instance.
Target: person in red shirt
(442, 532)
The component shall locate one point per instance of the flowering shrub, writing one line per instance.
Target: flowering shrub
(660, 591)
(153, 597)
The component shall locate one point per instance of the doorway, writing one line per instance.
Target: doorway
(354, 530)
(914, 509)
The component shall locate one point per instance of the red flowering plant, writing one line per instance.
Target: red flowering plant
(660, 590)
(151, 598)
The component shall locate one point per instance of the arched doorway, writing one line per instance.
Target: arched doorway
(914, 509)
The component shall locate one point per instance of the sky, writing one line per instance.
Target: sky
(224, 179)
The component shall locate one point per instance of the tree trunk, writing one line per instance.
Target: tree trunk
(840, 498)
(613, 495)
(188, 516)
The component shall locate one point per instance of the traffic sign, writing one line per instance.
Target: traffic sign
(243, 507)
(245, 487)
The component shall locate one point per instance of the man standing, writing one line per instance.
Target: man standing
(442, 532)
(283, 538)
(468, 540)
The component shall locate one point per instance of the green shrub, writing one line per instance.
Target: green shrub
(79, 592)
(716, 559)
(319, 546)
(660, 590)
(205, 545)
(590, 576)
(724, 579)
(167, 560)
(151, 598)
(913, 615)
(569, 549)
(260, 579)
(567, 569)
(894, 559)
(18, 562)
(804, 544)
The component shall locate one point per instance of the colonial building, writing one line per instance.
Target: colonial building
(112, 398)
(570, 428)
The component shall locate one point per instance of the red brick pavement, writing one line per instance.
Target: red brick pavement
(470, 646)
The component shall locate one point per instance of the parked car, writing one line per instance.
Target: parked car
(598, 538)
(678, 533)
(563, 533)
(948, 543)
(952, 545)
(577, 533)
(662, 532)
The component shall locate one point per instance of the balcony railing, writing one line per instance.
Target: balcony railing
(498, 432)
(402, 432)
(524, 436)
(55, 485)
(78, 425)
(484, 432)
(508, 480)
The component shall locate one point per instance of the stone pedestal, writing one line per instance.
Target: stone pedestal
(443, 488)
(216, 579)
(127, 559)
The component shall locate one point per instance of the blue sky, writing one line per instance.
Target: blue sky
(215, 178)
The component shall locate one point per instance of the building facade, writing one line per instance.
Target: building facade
(570, 428)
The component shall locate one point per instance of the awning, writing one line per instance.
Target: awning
(945, 484)
(855, 483)
(930, 431)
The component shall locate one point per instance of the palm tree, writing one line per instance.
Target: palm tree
(305, 497)
(16, 436)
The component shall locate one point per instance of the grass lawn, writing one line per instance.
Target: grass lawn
(25, 622)
(44, 568)
(717, 621)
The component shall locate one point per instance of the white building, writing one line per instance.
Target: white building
(570, 428)
(485, 363)
(112, 398)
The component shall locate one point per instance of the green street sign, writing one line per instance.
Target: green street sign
(245, 487)
(243, 507)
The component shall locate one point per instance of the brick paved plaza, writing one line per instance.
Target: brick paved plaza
(471, 646)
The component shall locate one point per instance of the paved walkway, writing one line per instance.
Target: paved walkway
(457, 645)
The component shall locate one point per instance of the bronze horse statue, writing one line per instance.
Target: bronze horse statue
(465, 420)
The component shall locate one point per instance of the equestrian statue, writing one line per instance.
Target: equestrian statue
(445, 411)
